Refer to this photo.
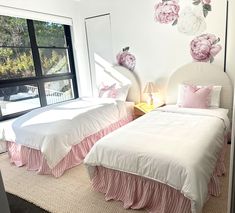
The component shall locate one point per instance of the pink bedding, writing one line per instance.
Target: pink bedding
(141, 193)
(34, 160)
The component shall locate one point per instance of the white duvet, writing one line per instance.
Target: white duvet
(175, 146)
(55, 129)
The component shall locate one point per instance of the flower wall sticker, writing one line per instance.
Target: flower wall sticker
(205, 47)
(167, 12)
(126, 59)
(191, 22)
(206, 6)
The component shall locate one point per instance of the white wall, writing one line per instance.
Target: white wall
(159, 48)
(231, 72)
(231, 41)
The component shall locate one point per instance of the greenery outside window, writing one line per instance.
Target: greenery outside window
(36, 65)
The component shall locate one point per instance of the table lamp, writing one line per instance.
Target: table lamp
(150, 88)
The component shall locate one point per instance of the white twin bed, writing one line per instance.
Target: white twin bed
(54, 130)
(176, 147)
(52, 139)
(166, 161)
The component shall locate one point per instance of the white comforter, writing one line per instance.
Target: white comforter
(54, 129)
(175, 146)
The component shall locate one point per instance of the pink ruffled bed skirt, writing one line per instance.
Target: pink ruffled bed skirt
(141, 193)
(34, 160)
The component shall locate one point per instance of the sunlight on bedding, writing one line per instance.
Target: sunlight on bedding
(62, 112)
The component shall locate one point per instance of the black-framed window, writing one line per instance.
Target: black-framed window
(36, 65)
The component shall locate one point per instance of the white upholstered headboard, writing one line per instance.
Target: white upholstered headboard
(134, 91)
(200, 73)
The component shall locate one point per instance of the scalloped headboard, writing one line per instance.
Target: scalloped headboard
(200, 73)
(134, 91)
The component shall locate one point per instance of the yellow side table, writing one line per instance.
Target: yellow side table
(142, 108)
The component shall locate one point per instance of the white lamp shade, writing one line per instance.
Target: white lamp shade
(150, 87)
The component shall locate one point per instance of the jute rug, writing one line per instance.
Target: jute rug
(72, 193)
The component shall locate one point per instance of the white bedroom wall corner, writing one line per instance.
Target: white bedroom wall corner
(231, 72)
(231, 169)
(231, 41)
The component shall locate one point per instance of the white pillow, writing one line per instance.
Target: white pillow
(122, 92)
(181, 88)
(215, 95)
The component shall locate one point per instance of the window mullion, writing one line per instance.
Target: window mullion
(37, 62)
(71, 58)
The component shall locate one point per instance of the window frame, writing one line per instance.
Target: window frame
(39, 79)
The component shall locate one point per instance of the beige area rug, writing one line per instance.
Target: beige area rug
(72, 193)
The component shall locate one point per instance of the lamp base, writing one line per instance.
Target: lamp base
(150, 99)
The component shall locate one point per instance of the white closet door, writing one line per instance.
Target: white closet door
(99, 41)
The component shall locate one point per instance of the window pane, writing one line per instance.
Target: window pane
(54, 61)
(58, 91)
(49, 34)
(16, 63)
(14, 32)
(18, 98)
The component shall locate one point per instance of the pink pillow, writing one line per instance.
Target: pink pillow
(195, 97)
(106, 91)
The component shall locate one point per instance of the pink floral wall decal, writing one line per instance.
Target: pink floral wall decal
(205, 47)
(206, 5)
(126, 59)
(167, 12)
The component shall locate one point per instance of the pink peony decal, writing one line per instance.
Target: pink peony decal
(206, 7)
(204, 47)
(167, 12)
(126, 59)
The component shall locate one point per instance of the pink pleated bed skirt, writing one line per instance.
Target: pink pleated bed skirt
(141, 193)
(34, 160)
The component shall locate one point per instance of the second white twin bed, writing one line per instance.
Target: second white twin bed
(175, 146)
(169, 160)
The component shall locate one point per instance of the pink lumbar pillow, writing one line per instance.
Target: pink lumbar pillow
(195, 97)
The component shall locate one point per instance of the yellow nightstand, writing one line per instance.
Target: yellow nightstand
(142, 108)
